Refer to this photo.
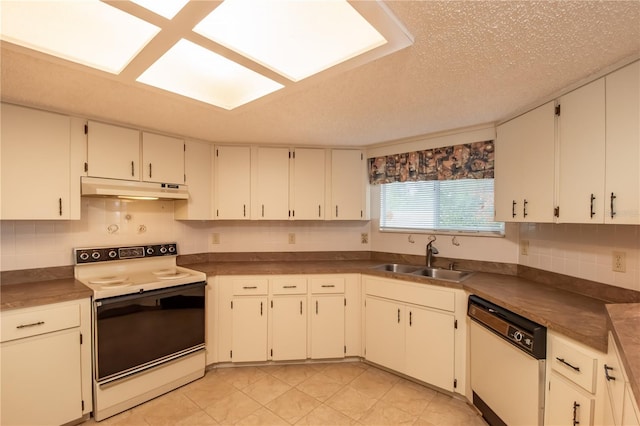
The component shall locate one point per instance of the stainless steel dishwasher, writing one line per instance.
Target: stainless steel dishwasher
(508, 355)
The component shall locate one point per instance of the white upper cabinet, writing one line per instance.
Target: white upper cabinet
(36, 165)
(113, 152)
(232, 170)
(581, 127)
(308, 184)
(525, 167)
(348, 185)
(271, 200)
(198, 176)
(162, 159)
(623, 146)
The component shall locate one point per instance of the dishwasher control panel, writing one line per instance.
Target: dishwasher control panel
(520, 338)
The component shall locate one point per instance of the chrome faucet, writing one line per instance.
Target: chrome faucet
(431, 250)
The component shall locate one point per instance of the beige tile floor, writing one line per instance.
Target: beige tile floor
(351, 393)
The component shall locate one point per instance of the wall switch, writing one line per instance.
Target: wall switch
(524, 247)
(364, 238)
(619, 261)
(215, 238)
(292, 238)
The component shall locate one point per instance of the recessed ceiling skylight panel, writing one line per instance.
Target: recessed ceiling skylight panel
(295, 38)
(88, 32)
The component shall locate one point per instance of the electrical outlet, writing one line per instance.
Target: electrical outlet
(292, 238)
(215, 238)
(364, 238)
(619, 261)
(524, 247)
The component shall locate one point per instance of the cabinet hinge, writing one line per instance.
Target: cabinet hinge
(216, 152)
(272, 307)
(86, 129)
(345, 301)
(86, 167)
(455, 383)
(271, 353)
(289, 155)
(345, 349)
(455, 324)
(185, 178)
(361, 213)
(82, 405)
(232, 304)
(80, 338)
(230, 354)
(361, 156)
(184, 147)
(558, 110)
(556, 211)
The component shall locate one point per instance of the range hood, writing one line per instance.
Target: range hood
(134, 190)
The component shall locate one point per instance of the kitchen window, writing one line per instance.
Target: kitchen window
(461, 206)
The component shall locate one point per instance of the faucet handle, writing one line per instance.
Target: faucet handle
(434, 250)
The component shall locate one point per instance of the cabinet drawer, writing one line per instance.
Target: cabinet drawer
(423, 295)
(327, 285)
(573, 363)
(32, 322)
(289, 286)
(250, 286)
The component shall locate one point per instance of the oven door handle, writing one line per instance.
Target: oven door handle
(161, 291)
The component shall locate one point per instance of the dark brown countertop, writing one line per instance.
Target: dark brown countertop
(24, 295)
(624, 320)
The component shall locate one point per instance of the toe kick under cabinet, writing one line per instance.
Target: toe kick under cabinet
(45, 355)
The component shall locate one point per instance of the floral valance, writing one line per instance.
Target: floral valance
(467, 161)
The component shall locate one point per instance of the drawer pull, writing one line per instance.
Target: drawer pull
(31, 325)
(250, 287)
(606, 373)
(327, 286)
(290, 286)
(567, 364)
(575, 413)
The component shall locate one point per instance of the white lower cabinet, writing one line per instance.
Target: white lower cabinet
(249, 335)
(327, 317)
(46, 364)
(288, 318)
(567, 404)
(410, 328)
(620, 408)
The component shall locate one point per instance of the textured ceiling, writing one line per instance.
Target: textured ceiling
(473, 62)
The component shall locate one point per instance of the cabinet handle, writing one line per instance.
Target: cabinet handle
(149, 170)
(301, 307)
(316, 307)
(524, 208)
(591, 212)
(575, 413)
(327, 285)
(261, 308)
(513, 208)
(606, 373)
(60, 206)
(249, 287)
(33, 324)
(133, 170)
(410, 318)
(613, 197)
(319, 211)
(244, 210)
(567, 364)
(263, 210)
(398, 315)
(336, 211)
(290, 286)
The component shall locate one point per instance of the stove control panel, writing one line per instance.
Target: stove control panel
(105, 254)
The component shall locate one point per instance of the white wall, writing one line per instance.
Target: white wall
(39, 244)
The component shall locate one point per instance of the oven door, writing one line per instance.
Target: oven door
(138, 331)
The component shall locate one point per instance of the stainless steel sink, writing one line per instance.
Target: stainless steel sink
(397, 267)
(444, 274)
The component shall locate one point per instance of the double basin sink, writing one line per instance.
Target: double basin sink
(454, 275)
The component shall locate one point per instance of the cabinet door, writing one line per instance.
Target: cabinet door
(272, 184)
(327, 327)
(623, 146)
(232, 171)
(41, 379)
(430, 347)
(35, 170)
(630, 414)
(566, 405)
(249, 329)
(384, 333)
(347, 184)
(197, 164)
(525, 167)
(162, 159)
(581, 154)
(289, 328)
(308, 184)
(113, 152)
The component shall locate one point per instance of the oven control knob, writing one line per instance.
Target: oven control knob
(172, 249)
(95, 255)
(517, 336)
(113, 254)
(150, 251)
(163, 249)
(84, 255)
